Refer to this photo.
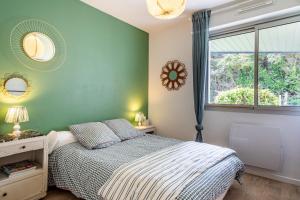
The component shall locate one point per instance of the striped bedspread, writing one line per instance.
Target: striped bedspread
(163, 174)
(83, 172)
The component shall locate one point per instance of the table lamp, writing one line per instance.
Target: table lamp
(17, 115)
(140, 117)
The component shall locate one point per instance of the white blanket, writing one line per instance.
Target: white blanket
(59, 139)
(163, 174)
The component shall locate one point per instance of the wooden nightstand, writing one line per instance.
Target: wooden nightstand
(147, 129)
(30, 185)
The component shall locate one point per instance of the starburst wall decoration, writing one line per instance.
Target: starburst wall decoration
(173, 75)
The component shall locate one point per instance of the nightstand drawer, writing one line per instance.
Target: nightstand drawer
(21, 147)
(22, 190)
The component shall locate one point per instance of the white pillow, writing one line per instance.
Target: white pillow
(59, 139)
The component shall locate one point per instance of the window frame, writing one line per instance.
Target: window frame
(256, 108)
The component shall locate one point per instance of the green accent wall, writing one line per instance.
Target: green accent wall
(105, 74)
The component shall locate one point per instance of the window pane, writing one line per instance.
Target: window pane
(279, 65)
(232, 70)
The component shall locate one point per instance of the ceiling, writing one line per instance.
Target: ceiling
(135, 12)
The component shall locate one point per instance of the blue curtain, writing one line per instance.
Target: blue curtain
(201, 21)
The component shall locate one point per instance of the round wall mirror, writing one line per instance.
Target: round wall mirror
(38, 47)
(16, 86)
(173, 75)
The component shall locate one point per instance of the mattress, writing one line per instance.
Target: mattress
(83, 172)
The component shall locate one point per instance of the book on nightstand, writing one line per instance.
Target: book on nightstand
(18, 168)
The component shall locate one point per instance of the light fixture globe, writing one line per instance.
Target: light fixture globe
(166, 9)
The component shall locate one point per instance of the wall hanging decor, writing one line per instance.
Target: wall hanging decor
(14, 86)
(173, 75)
(38, 45)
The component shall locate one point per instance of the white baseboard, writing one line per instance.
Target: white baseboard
(270, 175)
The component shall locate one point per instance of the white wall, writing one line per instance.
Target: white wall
(217, 128)
(173, 112)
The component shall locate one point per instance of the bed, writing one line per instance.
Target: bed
(73, 167)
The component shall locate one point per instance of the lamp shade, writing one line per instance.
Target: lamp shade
(139, 117)
(17, 114)
(166, 9)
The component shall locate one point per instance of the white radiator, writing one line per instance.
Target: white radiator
(257, 145)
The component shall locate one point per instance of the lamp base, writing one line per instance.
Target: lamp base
(17, 131)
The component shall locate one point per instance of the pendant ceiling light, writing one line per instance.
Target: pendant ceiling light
(166, 9)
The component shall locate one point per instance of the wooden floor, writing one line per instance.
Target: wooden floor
(253, 188)
(257, 188)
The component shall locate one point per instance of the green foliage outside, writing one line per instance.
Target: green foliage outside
(245, 96)
(232, 78)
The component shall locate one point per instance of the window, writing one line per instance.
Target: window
(258, 68)
(279, 65)
(232, 69)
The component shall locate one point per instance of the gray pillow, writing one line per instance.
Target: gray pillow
(123, 129)
(94, 135)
